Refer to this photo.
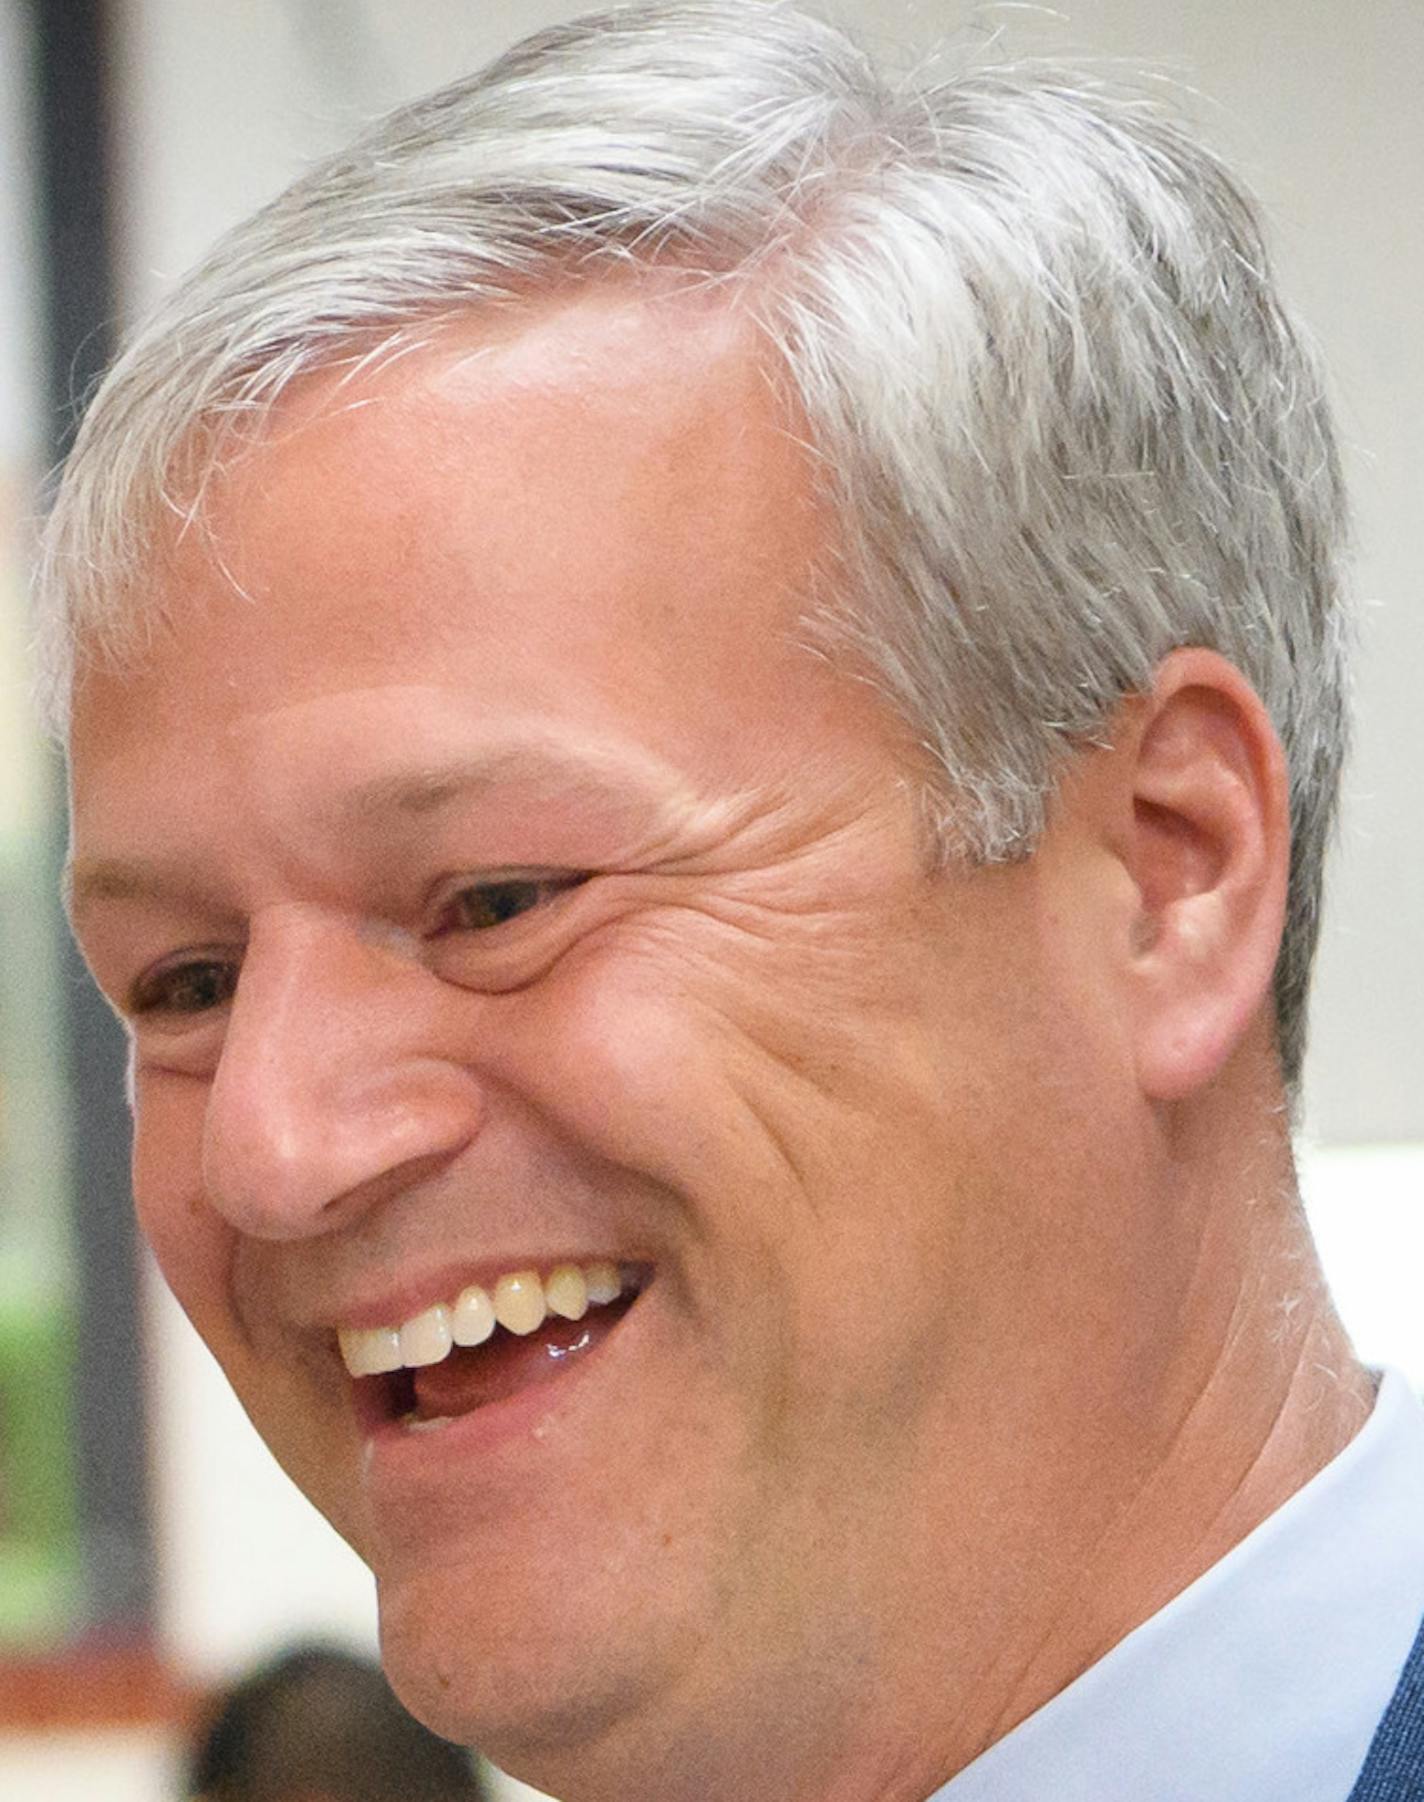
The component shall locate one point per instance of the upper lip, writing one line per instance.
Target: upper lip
(394, 1303)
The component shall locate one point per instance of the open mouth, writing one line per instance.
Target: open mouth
(488, 1344)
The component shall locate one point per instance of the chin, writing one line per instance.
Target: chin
(537, 1687)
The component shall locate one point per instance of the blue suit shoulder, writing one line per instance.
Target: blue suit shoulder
(1394, 1769)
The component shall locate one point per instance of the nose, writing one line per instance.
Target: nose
(339, 1079)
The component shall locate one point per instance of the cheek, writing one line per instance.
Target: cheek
(192, 1244)
(628, 1064)
(796, 1126)
(804, 1180)
(198, 1253)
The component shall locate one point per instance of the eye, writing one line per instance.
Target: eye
(195, 987)
(479, 906)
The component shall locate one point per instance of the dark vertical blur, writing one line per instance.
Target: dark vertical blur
(73, 67)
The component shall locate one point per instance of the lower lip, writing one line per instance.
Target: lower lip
(402, 1461)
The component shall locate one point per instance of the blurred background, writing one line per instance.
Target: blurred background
(149, 1551)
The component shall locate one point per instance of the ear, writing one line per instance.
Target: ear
(1207, 846)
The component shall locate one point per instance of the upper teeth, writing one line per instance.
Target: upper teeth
(520, 1302)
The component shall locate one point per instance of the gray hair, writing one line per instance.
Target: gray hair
(1064, 418)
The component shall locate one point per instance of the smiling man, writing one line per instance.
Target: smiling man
(704, 697)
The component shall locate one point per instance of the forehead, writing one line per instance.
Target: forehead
(593, 517)
(540, 464)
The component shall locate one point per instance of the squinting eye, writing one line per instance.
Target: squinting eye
(191, 988)
(481, 905)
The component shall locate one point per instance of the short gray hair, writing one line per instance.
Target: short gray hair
(1065, 419)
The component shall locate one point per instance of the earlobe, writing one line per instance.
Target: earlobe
(1208, 847)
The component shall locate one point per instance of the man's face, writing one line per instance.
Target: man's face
(492, 882)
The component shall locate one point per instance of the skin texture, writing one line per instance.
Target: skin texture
(982, 1320)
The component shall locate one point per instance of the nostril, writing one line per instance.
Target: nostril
(305, 1157)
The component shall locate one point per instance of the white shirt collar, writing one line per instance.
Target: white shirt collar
(1268, 1675)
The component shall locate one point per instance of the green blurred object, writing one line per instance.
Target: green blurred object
(39, 1540)
(41, 1595)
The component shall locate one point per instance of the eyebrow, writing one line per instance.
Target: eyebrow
(419, 792)
(428, 789)
(124, 879)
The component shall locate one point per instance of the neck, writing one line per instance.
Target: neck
(1262, 1392)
